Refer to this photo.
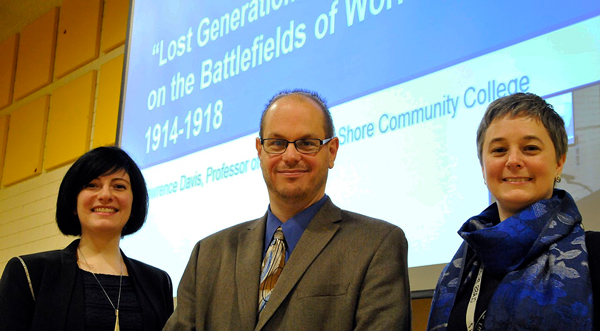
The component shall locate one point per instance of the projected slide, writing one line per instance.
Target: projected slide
(407, 83)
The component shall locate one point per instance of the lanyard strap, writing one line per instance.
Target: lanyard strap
(473, 301)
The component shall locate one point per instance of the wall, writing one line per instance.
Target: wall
(60, 79)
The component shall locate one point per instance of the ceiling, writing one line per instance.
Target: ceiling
(16, 14)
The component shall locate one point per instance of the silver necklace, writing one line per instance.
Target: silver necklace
(103, 290)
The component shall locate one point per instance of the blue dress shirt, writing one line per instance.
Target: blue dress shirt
(293, 228)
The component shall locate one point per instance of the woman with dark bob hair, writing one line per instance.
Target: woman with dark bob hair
(91, 284)
(524, 263)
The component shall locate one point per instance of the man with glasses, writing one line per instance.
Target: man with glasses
(306, 264)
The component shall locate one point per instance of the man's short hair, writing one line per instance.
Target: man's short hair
(98, 162)
(328, 124)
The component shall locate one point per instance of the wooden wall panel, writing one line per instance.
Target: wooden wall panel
(78, 40)
(69, 121)
(114, 24)
(420, 313)
(8, 67)
(107, 103)
(35, 60)
(25, 142)
(4, 121)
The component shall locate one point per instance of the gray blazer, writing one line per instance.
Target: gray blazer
(347, 272)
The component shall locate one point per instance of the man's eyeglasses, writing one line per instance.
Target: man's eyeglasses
(303, 146)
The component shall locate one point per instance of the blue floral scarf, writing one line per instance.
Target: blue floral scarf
(542, 257)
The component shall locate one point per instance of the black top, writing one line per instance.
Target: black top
(458, 316)
(99, 312)
(592, 242)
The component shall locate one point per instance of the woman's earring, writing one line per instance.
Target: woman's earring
(557, 179)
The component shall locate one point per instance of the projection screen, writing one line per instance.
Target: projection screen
(406, 81)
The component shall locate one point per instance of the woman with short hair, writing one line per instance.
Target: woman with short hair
(524, 261)
(91, 284)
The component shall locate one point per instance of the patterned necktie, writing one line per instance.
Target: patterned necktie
(272, 266)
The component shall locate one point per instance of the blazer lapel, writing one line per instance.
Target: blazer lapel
(247, 275)
(314, 239)
(140, 285)
(64, 294)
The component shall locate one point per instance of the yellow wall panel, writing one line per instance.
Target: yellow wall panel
(114, 24)
(78, 35)
(69, 121)
(3, 137)
(8, 66)
(107, 103)
(25, 142)
(420, 313)
(35, 60)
